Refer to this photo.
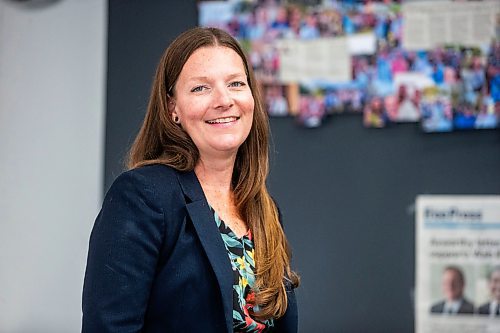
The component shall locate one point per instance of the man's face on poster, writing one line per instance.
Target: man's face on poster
(453, 285)
(495, 285)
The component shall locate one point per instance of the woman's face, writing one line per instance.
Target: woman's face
(213, 101)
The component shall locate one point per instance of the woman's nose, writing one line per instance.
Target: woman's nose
(223, 98)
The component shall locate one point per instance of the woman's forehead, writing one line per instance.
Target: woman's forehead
(208, 61)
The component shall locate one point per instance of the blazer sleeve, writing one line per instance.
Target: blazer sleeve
(289, 322)
(123, 252)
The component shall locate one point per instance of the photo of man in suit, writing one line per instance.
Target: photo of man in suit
(453, 283)
(492, 308)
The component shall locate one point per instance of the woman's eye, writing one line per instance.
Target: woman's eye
(198, 89)
(237, 84)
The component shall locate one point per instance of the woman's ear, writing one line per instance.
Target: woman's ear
(170, 103)
(171, 110)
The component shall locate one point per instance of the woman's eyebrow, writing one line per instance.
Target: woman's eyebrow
(207, 78)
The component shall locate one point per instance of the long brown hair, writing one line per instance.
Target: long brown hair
(160, 140)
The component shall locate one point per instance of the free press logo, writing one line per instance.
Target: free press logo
(453, 214)
(453, 217)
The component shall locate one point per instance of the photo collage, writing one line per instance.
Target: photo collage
(319, 58)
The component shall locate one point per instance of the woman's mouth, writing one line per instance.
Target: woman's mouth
(223, 120)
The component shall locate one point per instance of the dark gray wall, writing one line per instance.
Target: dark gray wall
(347, 196)
(138, 33)
(346, 192)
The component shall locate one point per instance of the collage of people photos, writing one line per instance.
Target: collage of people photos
(435, 63)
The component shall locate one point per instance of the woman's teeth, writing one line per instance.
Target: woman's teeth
(222, 120)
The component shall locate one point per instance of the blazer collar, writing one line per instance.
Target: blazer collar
(191, 186)
(206, 228)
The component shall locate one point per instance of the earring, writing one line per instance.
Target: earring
(176, 119)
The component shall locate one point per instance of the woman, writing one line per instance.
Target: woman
(189, 240)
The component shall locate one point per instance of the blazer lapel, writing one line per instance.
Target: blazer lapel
(210, 238)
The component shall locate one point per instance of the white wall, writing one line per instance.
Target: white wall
(52, 88)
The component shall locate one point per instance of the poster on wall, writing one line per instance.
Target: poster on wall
(429, 24)
(457, 264)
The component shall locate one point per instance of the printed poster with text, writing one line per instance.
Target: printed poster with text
(457, 264)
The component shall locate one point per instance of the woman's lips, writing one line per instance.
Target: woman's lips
(222, 120)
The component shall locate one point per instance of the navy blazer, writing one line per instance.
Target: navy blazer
(157, 262)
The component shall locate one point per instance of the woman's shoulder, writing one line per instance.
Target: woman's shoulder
(148, 180)
(152, 171)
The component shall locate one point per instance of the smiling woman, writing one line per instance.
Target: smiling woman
(189, 239)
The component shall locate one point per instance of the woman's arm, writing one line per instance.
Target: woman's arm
(123, 252)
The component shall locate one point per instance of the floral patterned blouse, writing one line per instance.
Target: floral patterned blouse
(241, 255)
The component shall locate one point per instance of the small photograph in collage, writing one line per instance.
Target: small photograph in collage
(312, 110)
(276, 100)
(375, 114)
(436, 110)
(477, 102)
(404, 105)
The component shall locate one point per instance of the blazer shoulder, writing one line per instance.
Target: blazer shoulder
(147, 178)
(153, 172)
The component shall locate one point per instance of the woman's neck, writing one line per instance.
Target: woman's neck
(215, 175)
(215, 178)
